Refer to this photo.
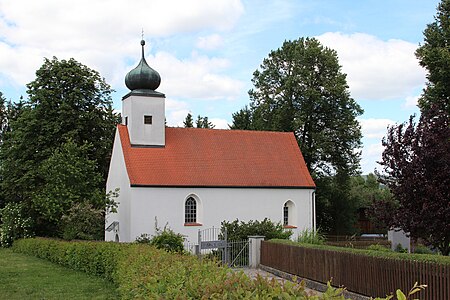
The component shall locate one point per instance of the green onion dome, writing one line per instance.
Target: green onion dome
(143, 77)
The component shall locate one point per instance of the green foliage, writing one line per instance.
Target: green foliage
(378, 247)
(144, 272)
(421, 249)
(309, 236)
(188, 122)
(300, 88)
(370, 197)
(14, 224)
(83, 222)
(401, 296)
(168, 240)
(434, 55)
(69, 178)
(399, 248)
(67, 102)
(28, 277)
(165, 239)
(203, 122)
(237, 231)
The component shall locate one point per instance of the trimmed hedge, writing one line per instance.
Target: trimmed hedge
(440, 259)
(144, 272)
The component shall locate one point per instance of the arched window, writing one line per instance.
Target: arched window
(285, 214)
(289, 215)
(190, 210)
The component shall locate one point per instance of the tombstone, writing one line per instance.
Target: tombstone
(399, 237)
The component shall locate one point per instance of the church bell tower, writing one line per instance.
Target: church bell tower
(143, 109)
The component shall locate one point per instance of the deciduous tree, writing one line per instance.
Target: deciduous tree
(300, 88)
(434, 55)
(67, 101)
(416, 165)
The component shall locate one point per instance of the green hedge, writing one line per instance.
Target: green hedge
(144, 272)
(392, 255)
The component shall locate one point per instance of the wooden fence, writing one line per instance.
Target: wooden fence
(366, 275)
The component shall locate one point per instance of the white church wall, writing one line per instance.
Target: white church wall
(135, 108)
(166, 205)
(118, 178)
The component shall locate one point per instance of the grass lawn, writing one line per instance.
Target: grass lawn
(26, 277)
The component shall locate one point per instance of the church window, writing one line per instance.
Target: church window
(285, 214)
(289, 215)
(190, 210)
(126, 121)
(148, 120)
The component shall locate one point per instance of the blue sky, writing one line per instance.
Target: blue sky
(206, 51)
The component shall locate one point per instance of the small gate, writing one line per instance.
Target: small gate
(213, 244)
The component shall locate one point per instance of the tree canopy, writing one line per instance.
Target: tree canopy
(416, 165)
(188, 122)
(434, 55)
(201, 122)
(416, 158)
(300, 88)
(67, 102)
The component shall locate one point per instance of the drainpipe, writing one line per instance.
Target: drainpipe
(313, 198)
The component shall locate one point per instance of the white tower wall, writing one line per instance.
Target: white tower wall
(134, 109)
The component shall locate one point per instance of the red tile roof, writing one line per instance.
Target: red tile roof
(219, 158)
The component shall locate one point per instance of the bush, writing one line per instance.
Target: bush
(165, 239)
(421, 249)
(399, 248)
(309, 236)
(379, 247)
(237, 231)
(83, 222)
(144, 272)
(14, 224)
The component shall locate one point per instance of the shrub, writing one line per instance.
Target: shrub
(14, 224)
(165, 239)
(144, 272)
(241, 231)
(168, 240)
(421, 249)
(83, 222)
(378, 247)
(399, 248)
(309, 236)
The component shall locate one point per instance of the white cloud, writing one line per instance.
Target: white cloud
(101, 34)
(411, 101)
(376, 69)
(375, 128)
(371, 154)
(209, 42)
(219, 123)
(195, 78)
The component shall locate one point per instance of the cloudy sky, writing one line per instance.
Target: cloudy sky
(207, 50)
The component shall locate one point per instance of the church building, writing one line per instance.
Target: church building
(194, 178)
